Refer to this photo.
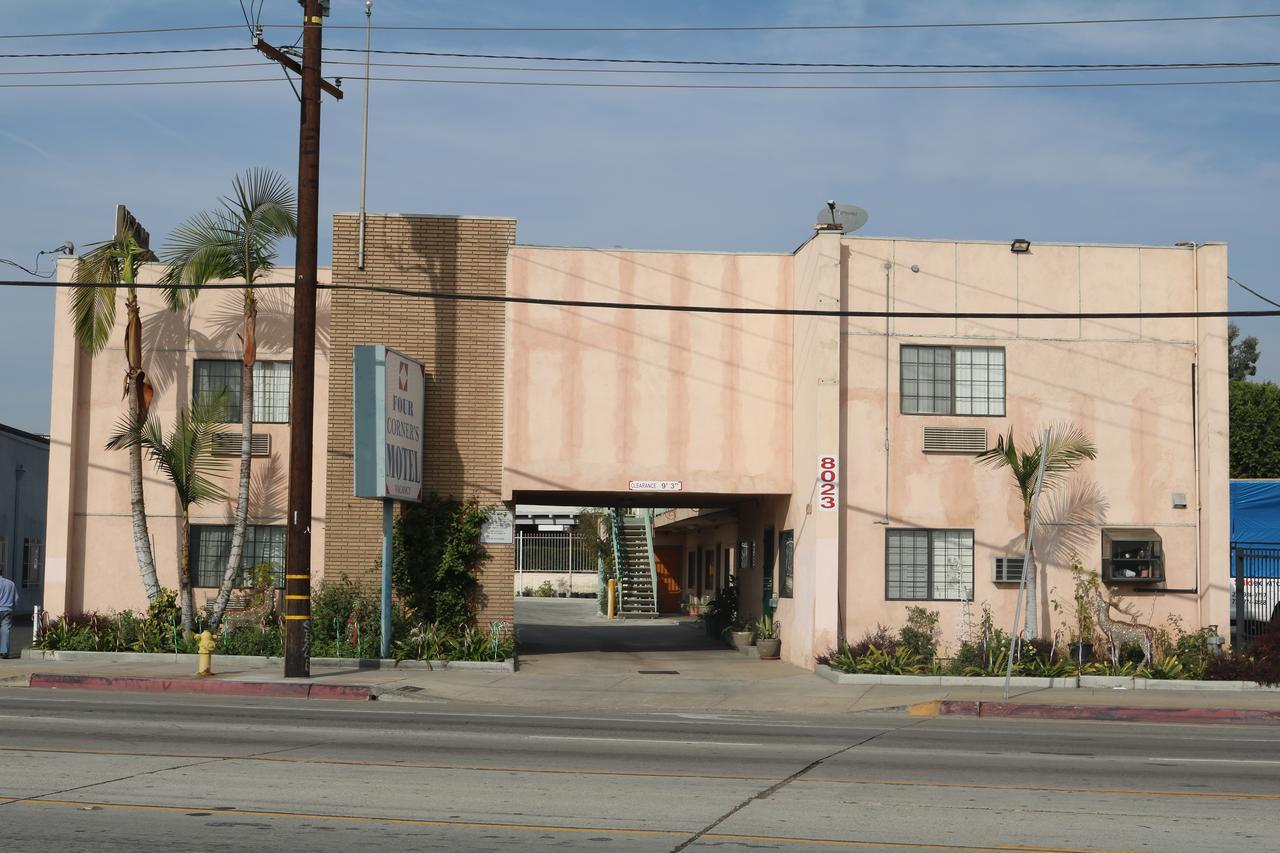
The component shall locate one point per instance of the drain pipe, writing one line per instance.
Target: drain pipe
(364, 143)
(888, 270)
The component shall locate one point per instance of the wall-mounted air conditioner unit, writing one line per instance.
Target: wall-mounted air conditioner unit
(1007, 569)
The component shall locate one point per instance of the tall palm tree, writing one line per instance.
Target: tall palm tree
(1067, 447)
(98, 276)
(236, 240)
(186, 457)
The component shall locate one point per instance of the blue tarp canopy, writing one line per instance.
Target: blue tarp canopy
(1255, 511)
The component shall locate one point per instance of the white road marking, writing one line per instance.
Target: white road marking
(1219, 760)
(644, 740)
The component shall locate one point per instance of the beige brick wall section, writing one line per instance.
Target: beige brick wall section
(462, 346)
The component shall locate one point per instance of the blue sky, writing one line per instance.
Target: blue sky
(658, 168)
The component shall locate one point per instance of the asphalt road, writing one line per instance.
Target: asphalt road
(109, 772)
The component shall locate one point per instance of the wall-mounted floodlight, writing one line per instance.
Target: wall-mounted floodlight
(1020, 246)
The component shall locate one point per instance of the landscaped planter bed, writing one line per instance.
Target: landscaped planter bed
(1115, 682)
(62, 655)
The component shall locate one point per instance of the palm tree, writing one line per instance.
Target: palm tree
(237, 240)
(186, 457)
(1067, 446)
(93, 312)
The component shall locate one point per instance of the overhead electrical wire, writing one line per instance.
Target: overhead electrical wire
(1265, 299)
(701, 309)
(815, 72)
(1068, 66)
(686, 29)
(687, 86)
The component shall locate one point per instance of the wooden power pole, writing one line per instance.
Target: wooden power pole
(297, 583)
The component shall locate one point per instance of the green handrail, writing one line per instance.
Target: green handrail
(615, 531)
(653, 563)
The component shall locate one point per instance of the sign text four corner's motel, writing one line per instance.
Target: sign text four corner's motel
(827, 462)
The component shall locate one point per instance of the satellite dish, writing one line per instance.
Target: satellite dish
(844, 218)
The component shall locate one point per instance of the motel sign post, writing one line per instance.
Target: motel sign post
(388, 395)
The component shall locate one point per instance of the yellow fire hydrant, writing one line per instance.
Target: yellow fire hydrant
(206, 654)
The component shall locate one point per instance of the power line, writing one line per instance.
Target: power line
(645, 71)
(702, 309)
(119, 52)
(679, 29)
(963, 66)
(524, 57)
(686, 86)
(1254, 292)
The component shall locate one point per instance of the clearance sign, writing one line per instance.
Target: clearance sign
(388, 397)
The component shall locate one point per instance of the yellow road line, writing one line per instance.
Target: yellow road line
(524, 827)
(1125, 792)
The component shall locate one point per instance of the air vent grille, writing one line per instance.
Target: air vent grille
(955, 439)
(228, 444)
(1007, 570)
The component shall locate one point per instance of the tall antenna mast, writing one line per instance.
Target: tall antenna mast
(364, 144)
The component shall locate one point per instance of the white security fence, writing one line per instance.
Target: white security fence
(558, 558)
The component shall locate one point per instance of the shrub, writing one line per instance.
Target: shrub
(546, 590)
(436, 553)
(1259, 662)
(920, 634)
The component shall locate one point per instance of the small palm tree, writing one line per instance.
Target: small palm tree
(186, 457)
(98, 276)
(237, 240)
(1066, 448)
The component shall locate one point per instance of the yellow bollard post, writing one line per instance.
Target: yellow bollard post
(206, 654)
(613, 584)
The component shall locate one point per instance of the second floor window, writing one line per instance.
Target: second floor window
(952, 380)
(270, 388)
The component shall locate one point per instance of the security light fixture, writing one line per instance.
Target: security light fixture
(1020, 246)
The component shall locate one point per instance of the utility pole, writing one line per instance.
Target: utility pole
(297, 584)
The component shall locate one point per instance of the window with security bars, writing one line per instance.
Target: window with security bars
(211, 548)
(270, 388)
(929, 565)
(32, 562)
(953, 380)
(787, 564)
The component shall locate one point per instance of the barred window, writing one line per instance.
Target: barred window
(929, 565)
(32, 562)
(953, 380)
(270, 388)
(211, 548)
(787, 552)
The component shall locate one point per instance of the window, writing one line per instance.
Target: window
(4, 554)
(787, 554)
(929, 565)
(270, 388)
(1131, 555)
(32, 562)
(211, 548)
(952, 380)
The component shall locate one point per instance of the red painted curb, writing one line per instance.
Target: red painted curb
(275, 689)
(1115, 713)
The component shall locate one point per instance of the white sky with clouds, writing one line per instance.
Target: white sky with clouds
(656, 169)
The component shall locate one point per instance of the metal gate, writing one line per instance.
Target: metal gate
(1255, 594)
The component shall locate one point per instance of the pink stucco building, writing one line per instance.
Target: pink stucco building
(738, 414)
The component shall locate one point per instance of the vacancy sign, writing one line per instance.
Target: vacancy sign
(388, 396)
(828, 484)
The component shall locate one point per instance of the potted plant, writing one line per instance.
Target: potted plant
(768, 637)
(740, 635)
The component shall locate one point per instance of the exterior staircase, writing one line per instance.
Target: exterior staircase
(633, 537)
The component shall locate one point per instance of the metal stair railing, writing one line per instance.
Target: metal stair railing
(615, 530)
(653, 563)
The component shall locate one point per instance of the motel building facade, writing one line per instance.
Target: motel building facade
(826, 462)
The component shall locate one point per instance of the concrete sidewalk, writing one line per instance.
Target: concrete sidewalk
(572, 660)
(677, 682)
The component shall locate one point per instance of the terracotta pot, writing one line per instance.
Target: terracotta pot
(740, 639)
(769, 649)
